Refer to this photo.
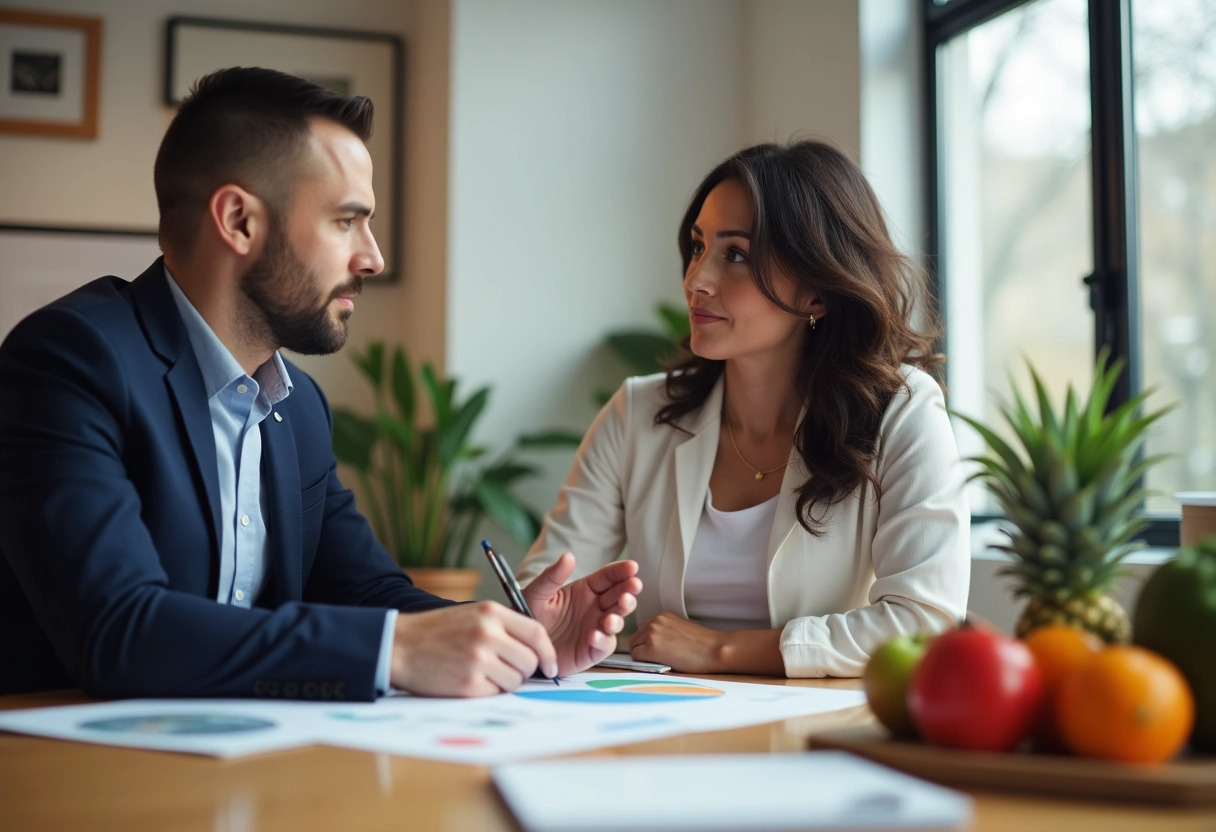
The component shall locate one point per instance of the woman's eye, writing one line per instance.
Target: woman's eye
(696, 247)
(736, 255)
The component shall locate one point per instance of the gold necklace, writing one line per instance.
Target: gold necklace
(759, 474)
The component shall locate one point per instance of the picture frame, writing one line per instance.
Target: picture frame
(41, 264)
(50, 73)
(344, 60)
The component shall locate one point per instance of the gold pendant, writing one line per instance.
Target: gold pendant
(759, 475)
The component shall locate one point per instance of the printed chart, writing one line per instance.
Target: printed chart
(589, 710)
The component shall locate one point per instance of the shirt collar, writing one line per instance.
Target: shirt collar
(218, 366)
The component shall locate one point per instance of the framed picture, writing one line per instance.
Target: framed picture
(42, 264)
(50, 68)
(346, 61)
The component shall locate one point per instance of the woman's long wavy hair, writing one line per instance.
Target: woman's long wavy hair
(818, 222)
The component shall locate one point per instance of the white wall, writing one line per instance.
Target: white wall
(108, 181)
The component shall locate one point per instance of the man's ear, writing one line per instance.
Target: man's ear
(240, 219)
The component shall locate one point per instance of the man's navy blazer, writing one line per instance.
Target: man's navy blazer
(110, 521)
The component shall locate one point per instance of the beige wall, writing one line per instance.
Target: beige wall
(801, 72)
(108, 181)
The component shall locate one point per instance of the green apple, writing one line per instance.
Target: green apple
(886, 680)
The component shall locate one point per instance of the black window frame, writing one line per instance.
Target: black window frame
(1113, 285)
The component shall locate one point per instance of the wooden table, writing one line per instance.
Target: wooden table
(49, 785)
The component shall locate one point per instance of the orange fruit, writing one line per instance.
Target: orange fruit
(1058, 649)
(1125, 703)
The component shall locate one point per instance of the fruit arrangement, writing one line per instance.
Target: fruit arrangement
(1070, 484)
(1059, 690)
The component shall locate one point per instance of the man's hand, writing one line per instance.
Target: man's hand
(468, 650)
(583, 617)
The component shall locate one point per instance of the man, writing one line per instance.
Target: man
(171, 523)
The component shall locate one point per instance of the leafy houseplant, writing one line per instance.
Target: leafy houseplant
(426, 485)
(1071, 487)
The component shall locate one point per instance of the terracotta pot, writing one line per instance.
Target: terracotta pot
(454, 584)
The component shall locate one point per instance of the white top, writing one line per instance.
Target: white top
(727, 586)
(883, 566)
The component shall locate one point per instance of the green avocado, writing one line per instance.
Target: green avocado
(1176, 616)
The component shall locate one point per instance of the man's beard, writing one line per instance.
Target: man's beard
(281, 288)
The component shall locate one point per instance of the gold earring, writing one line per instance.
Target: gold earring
(810, 319)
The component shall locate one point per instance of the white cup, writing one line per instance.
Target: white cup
(1198, 516)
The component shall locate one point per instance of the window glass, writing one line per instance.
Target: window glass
(1015, 201)
(1175, 118)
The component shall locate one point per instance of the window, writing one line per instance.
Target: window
(1073, 205)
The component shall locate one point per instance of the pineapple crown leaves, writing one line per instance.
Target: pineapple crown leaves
(1070, 479)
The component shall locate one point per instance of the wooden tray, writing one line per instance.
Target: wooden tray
(1187, 781)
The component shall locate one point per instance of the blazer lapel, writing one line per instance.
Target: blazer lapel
(282, 481)
(694, 465)
(167, 336)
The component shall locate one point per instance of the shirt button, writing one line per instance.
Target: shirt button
(239, 595)
(277, 417)
(244, 519)
(241, 388)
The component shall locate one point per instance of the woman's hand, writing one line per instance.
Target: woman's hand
(692, 648)
(687, 647)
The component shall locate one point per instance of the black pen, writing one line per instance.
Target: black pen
(514, 594)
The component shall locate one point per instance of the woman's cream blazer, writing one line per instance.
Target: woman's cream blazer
(893, 565)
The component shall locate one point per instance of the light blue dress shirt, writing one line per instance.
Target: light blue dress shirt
(238, 405)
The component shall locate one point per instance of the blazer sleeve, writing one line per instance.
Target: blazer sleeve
(920, 549)
(73, 533)
(589, 516)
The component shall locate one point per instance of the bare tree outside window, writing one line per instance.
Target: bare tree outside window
(1174, 68)
(1016, 206)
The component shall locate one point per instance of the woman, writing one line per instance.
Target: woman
(791, 490)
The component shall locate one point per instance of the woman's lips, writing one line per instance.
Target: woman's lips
(700, 316)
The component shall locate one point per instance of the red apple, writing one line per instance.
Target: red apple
(975, 689)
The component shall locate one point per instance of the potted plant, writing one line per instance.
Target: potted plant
(1071, 486)
(426, 486)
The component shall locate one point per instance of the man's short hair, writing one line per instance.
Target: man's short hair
(244, 126)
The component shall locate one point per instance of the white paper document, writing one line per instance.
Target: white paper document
(588, 710)
(724, 793)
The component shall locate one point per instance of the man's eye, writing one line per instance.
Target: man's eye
(347, 222)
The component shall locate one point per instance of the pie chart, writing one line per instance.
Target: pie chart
(628, 692)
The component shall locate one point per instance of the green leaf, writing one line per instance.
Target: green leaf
(642, 351)
(404, 394)
(354, 439)
(553, 438)
(371, 363)
(440, 393)
(503, 507)
(507, 472)
(453, 433)
(675, 319)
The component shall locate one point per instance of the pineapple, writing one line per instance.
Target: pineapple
(1071, 487)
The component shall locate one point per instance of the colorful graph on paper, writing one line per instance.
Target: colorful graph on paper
(589, 710)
